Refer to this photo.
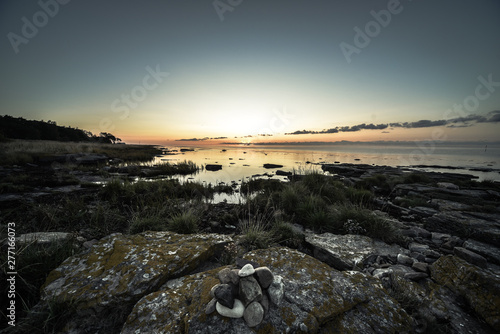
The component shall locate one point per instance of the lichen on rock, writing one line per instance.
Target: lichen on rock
(481, 288)
(316, 297)
(120, 269)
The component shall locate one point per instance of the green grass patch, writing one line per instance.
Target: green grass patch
(266, 185)
(33, 264)
(353, 219)
(287, 235)
(184, 222)
(18, 152)
(256, 232)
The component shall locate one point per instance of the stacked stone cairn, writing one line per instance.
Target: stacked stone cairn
(245, 292)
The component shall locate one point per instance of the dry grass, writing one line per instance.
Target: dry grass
(26, 151)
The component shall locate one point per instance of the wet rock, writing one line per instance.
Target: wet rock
(224, 295)
(234, 312)
(283, 173)
(432, 253)
(416, 247)
(421, 267)
(43, 238)
(470, 257)
(264, 276)
(213, 167)
(404, 259)
(415, 276)
(345, 252)
(480, 288)
(240, 263)
(227, 275)
(453, 312)
(382, 272)
(250, 290)
(253, 315)
(488, 251)
(314, 297)
(417, 256)
(276, 290)
(269, 166)
(414, 232)
(211, 306)
(247, 270)
(446, 205)
(423, 211)
(118, 270)
(483, 228)
(448, 185)
(265, 303)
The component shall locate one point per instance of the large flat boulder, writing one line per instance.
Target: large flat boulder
(488, 251)
(480, 288)
(120, 269)
(316, 298)
(345, 252)
(484, 227)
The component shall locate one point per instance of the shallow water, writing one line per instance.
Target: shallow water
(242, 163)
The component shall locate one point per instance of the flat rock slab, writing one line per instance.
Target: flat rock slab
(484, 228)
(120, 269)
(480, 288)
(43, 238)
(490, 252)
(316, 297)
(344, 252)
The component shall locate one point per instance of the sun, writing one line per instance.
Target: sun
(243, 119)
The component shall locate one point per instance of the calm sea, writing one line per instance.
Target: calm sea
(243, 162)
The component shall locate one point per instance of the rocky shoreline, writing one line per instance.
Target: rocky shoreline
(445, 277)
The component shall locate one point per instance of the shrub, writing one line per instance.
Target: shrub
(185, 222)
(352, 218)
(416, 177)
(149, 222)
(313, 180)
(266, 185)
(105, 220)
(291, 196)
(256, 233)
(287, 235)
(310, 204)
(33, 263)
(377, 182)
(117, 190)
(359, 196)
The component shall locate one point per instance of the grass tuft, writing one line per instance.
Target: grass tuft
(184, 223)
(256, 232)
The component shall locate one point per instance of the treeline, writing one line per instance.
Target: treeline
(20, 128)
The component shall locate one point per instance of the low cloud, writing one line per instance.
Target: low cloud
(193, 139)
(492, 117)
(459, 122)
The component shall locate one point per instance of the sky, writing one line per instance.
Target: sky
(156, 71)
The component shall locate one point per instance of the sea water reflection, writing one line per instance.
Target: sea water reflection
(242, 163)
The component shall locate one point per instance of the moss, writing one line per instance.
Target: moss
(287, 315)
(480, 288)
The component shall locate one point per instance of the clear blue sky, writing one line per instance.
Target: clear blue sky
(236, 70)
